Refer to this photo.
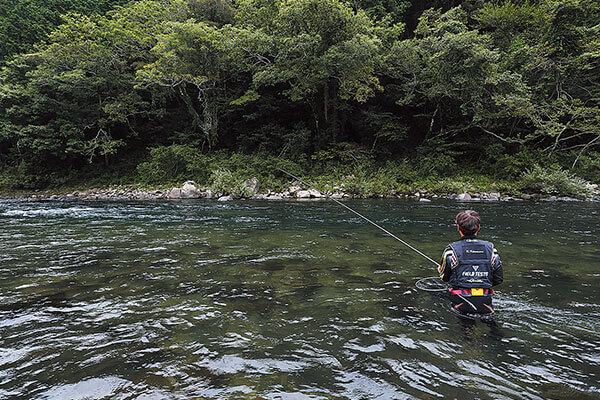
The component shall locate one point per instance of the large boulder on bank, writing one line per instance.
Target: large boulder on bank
(294, 189)
(315, 193)
(463, 197)
(494, 196)
(190, 191)
(174, 193)
(303, 194)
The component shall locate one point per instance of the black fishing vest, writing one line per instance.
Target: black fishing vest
(474, 269)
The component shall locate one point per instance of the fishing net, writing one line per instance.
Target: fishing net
(433, 284)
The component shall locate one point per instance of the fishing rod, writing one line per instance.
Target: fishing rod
(360, 215)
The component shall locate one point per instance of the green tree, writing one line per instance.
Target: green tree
(26, 22)
(192, 60)
(453, 72)
(75, 97)
(319, 52)
(554, 46)
(381, 9)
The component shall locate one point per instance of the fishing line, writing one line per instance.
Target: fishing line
(360, 215)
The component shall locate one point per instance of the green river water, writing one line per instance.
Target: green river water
(290, 300)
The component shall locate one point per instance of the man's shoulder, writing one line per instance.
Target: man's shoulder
(473, 240)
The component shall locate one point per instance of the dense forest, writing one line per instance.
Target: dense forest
(390, 90)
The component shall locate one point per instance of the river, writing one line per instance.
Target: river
(290, 300)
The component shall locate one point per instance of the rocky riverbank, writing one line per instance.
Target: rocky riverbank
(190, 190)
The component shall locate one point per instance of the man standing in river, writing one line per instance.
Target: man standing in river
(472, 266)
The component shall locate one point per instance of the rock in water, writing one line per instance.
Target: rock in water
(225, 198)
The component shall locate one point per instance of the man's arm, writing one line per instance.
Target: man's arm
(448, 263)
(497, 274)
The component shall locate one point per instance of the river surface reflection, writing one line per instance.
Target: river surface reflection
(290, 300)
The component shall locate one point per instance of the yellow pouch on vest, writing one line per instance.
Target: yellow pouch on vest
(476, 292)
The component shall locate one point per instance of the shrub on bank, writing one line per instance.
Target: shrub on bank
(226, 173)
(172, 164)
(178, 163)
(554, 181)
(225, 182)
(365, 187)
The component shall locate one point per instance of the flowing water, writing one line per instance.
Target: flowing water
(290, 300)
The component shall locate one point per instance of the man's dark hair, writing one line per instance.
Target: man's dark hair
(468, 222)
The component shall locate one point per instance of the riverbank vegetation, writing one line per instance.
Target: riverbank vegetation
(381, 96)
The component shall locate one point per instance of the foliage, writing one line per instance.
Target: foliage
(365, 185)
(513, 165)
(75, 98)
(587, 166)
(453, 72)
(381, 9)
(178, 163)
(314, 51)
(554, 181)
(190, 59)
(393, 92)
(227, 183)
(26, 22)
(170, 164)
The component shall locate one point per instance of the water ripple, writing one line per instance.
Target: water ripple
(151, 300)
